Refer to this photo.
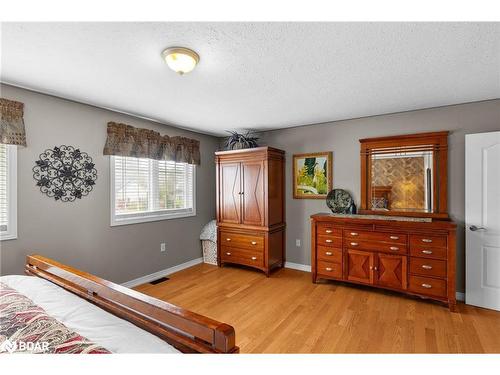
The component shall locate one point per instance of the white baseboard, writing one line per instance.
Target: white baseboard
(298, 266)
(165, 272)
(304, 267)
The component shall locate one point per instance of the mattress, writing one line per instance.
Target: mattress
(99, 326)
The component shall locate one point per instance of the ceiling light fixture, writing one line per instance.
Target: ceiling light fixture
(181, 60)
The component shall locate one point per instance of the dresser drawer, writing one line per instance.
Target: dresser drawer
(424, 240)
(329, 241)
(328, 229)
(426, 285)
(244, 241)
(428, 267)
(375, 246)
(328, 254)
(329, 269)
(428, 252)
(397, 238)
(235, 255)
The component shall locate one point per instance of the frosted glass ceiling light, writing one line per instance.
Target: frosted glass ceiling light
(181, 60)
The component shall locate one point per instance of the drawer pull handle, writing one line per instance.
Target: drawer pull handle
(228, 253)
(254, 258)
(328, 231)
(371, 267)
(354, 244)
(328, 253)
(375, 268)
(354, 234)
(329, 241)
(328, 269)
(394, 237)
(254, 242)
(228, 239)
(394, 248)
(427, 251)
(427, 286)
(426, 267)
(426, 240)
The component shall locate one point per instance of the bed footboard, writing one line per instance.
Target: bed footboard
(187, 331)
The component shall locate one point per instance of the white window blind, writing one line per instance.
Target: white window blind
(146, 190)
(8, 192)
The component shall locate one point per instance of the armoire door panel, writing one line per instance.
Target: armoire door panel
(360, 266)
(253, 193)
(392, 271)
(230, 193)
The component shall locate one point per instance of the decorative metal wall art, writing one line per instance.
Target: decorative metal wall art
(65, 173)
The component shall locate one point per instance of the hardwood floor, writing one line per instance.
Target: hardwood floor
(287, 313)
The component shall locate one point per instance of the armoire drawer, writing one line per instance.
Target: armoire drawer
(245, 241)
(396, 238)
(428, 267)
(231, 254)
(329, 269)
(427, 285)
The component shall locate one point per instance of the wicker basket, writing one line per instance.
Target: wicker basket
(209, 252)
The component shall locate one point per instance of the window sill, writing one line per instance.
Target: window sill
(6, 237)
(146, 219)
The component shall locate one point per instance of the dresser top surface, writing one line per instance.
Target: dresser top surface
(380, 219)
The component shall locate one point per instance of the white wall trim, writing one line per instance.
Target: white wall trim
(165, 272)
(306, 268)
(298, 266)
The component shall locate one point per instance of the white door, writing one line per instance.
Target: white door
(482, 220)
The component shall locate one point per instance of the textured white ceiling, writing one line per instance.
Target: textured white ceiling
(257, 75)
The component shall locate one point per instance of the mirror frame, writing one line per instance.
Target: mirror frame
(436, 142)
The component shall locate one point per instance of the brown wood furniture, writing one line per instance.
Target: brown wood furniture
(435, 142)
(416, 258)
(187, 331)
(412, 256)
(250, 207)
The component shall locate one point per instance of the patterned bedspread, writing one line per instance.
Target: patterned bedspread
(27, 328)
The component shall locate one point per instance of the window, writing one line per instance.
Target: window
(149, 190)
(8, 192)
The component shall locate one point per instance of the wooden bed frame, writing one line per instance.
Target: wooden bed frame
(187, 331)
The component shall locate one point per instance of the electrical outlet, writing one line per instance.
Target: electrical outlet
(163, 247)
(297, 243)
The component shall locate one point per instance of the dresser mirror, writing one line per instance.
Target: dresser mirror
(405, 175)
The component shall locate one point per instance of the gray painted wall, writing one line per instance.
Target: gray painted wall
(79, 233)
(341, 137)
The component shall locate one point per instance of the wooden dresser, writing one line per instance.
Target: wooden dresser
(250, 207)
(415, 258)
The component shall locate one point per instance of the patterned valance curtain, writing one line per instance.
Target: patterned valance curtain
(12, 130)
(126, 140)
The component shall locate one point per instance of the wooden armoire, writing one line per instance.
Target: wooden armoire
(251, 208)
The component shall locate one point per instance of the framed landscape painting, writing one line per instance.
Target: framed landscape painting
(312, 175)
